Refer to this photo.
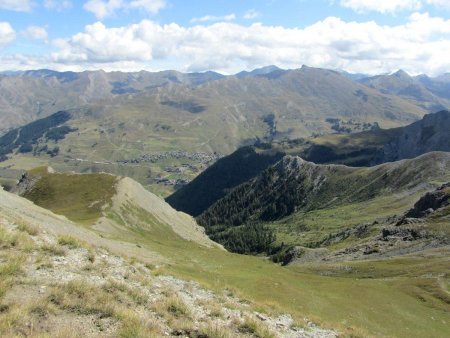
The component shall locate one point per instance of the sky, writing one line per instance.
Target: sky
(227, 36)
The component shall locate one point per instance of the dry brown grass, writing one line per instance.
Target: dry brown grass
(171, 307)
(216, 331)
(82, 298)
(10, 319)
(12, 266)
(30, 229)
(124, 293)
(136, 327)
(213, 307)
(15, 240)
(72, 242)
(254, 327)
(53, 249)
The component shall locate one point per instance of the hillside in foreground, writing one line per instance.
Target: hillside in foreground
(56, 284)
(122, 268)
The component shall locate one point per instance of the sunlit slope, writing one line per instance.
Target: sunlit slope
(104, 200)
(394, 306)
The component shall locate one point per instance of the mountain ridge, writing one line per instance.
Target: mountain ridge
(290, 198)
(360, 149)
(108, 204)
(91, 87)
(312, 183)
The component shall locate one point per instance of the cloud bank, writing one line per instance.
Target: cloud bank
(102, 8)
(391, 6)
(421, 45)
(17, 5)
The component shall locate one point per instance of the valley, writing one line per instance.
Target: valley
(224, 169)
(152, 114)
(298, 203)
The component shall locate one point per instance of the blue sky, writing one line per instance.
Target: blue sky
(226, 35)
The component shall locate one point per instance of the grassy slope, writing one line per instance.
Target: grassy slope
(380, 306)
(394, 305)
(78, 197)
(346, 197)
(309, 228)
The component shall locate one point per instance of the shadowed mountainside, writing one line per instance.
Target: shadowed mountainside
(359, 149)
(294, 185)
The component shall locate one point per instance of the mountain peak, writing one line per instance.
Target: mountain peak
(259, 71)
(401, 74)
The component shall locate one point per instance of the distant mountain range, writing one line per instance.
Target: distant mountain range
(298, 101)
(122, 118)
(430, 93)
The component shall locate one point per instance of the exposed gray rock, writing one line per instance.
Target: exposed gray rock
(25, 183)
(430, 202)
(429, 134)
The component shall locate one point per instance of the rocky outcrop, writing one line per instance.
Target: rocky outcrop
(403, 233)
(25, 183)
(430, 202)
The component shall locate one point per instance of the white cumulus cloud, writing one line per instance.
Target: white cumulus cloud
(104, 8)
(36, 33)
(7, 33)
(101, 8)
(58, 5)
(382, 6)
(17, 5)
(422, 44)
(213, 18)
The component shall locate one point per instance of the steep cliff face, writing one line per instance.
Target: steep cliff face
(432, 133)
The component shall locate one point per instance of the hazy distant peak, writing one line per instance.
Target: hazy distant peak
(259, 71)
(401, 74)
